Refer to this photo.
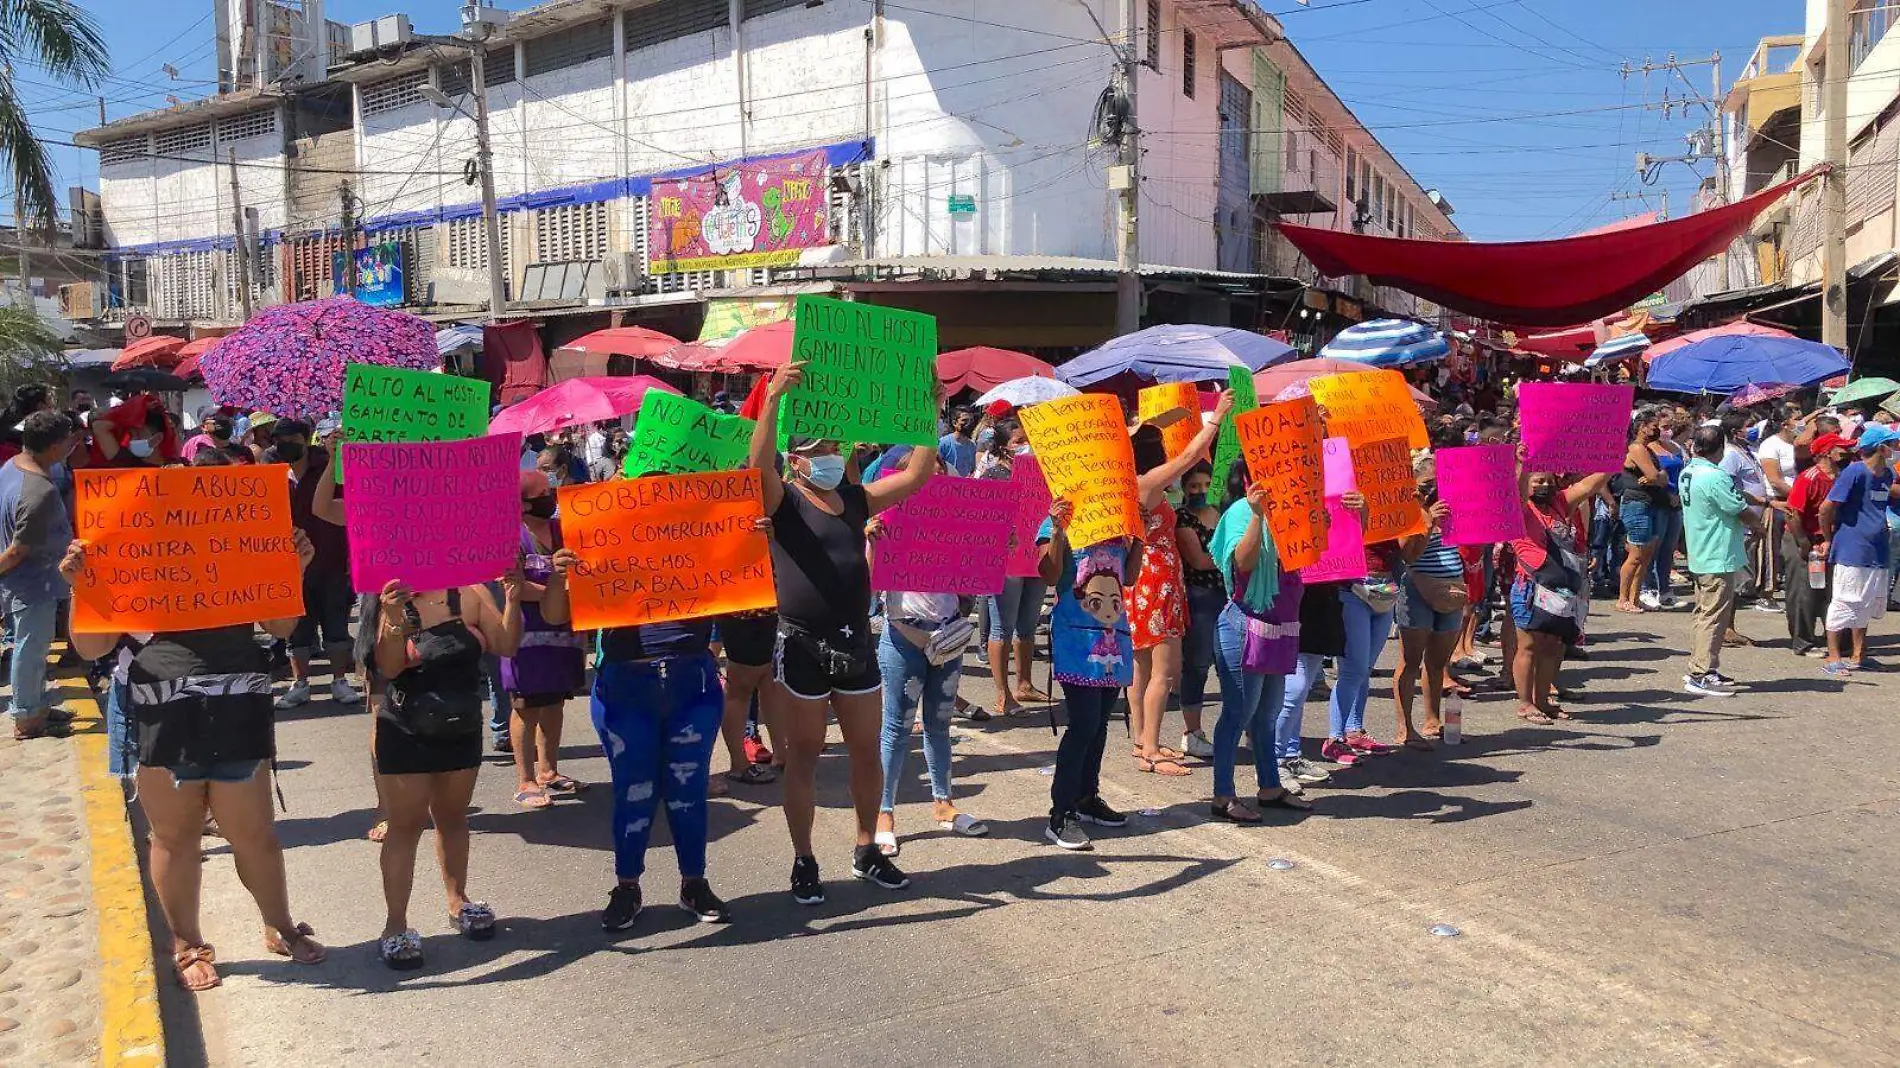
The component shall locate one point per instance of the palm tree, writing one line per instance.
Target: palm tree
(29, 349)
(60, 38)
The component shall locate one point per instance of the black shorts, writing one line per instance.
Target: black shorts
(749, 640)
(399, 752)
(804, 675)
(328, 603)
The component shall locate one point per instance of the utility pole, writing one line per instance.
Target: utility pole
(1834, 185)
(1125, 179)
(239, 255)
(485, 163)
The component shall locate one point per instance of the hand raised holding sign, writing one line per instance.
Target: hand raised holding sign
(790, 375)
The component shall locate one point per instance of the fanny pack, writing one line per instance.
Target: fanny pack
(1269, 648)
(942, 645)
(840, 656)
(1442, 594)
(1380, 594)
(432, 713)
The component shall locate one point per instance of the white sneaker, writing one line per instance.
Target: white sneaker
(343, 693)
(297, 696)
(1196, 745)
(1649, 600)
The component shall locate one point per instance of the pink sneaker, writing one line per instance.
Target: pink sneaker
(1338, 752)
(1366, 745)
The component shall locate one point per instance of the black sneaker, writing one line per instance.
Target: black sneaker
(623, 906)
(806, 888)
(696, 897)
(1096, 811)
(869, 864)
(1066, 832)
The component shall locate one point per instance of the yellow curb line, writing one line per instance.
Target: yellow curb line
(130, 1032)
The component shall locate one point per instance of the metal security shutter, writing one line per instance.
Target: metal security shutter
(570, 47)
(570, 232)
(185, 286)
(1269, 91)
(663, 22)
(756, 8)
(392, 93)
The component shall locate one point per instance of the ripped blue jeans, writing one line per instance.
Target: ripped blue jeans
(909, 680)
(657, 720)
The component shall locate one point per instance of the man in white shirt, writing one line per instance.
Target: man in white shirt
(594, 446)
(1738, 459)
(1778, 464)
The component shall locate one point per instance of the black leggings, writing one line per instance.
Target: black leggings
(1079, 756)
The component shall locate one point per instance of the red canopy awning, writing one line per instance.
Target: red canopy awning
(1539, 283)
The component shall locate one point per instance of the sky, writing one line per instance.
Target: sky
(1461, 91)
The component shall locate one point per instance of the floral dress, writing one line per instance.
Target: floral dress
(1157, 605)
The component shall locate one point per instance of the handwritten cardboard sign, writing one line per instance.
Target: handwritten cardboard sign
(1180, 402)
(1479, 482)
(665, 548)
(1227, 445)
(1384, 471)
(1032, 507)
(1575, 427)
(952, 536)
(679, 436)
(393, 404)
(184, 548)
(1087, 458)
(870, 374)
(435, 514)
(1283, 443)
(1366, 406)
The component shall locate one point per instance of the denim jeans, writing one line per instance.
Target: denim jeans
(1248, 702)
(497, 696)
(1014, 613)
(1366, 632)
(1286, 730)
(1668, 539)
(31, 622)
(910, 678)
(1078, 774)
(1197, 647)
(122, 755)
(657, 721)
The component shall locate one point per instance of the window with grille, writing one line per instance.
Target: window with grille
(570, 47)
(1154, 34)
(186, 285)
(256, 124)
(756, 8)
(1352, 176)
(392, 93)
(659, 23)
(185, 139)
(124, 150)
(570, 232)
(1187, 63)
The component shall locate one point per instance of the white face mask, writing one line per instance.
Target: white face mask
(139, 447)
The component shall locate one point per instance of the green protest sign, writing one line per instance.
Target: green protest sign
(392, 404)
(1227, 446)
(870, 374)
(680, 436)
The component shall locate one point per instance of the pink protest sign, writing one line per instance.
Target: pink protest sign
(434, 514)
(761, 213)
(1336, 456)
(1031, 509)
(1480, 484)
(1345, 555)
(952, 537)
(1575, 427)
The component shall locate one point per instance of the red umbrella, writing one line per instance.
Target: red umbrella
(983, 368)
(160, 351)
(1273, 381)
(690, 356)
(575, 401)
(761, 348)
(636, 341)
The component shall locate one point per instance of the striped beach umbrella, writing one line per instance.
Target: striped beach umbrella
(1618, 348)
(1388, 343)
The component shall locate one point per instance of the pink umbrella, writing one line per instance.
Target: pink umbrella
(1739, 328)
(575, 401)
(1287, 381)
(289, 359)
(984, 368)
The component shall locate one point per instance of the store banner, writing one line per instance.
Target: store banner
(757, 214)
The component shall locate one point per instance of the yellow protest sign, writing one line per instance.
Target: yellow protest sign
(1367, 406)
(1086, 456)
(1283, 444)
(1176, 406)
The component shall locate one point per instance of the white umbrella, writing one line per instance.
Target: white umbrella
(1023, 392)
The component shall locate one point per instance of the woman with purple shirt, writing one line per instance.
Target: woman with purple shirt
(551, 665)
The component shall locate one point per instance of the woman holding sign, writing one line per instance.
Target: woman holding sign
(1550, 594)
(423, 653)
(1429, 611)
(824, 656)
(199, 702)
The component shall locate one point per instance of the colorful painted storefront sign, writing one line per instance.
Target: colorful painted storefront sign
(757, 214)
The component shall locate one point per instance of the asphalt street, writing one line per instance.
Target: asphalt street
(1666, 880)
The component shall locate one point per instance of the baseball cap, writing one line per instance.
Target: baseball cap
(1874, 435)
(802, 443)
(1827, 443)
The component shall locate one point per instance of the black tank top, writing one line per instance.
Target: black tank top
(201, 697)
(448, 661)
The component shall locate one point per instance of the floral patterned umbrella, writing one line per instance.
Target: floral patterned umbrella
(289, 359)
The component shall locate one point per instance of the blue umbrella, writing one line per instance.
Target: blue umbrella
(1618, 348)
(1176, 354)
(1388, 343)
(1726, 363)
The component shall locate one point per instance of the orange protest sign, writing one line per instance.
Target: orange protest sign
(670, 547)
(1088, 461)
(1367, 406)
(1176, 408)
(1284, 444)
(1384, 470)
(184, 548)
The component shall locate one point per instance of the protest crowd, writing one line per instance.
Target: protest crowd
(843, 547)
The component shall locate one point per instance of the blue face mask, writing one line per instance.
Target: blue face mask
(825, 472)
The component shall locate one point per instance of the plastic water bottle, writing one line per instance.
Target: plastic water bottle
(1453, 732)
(1817, 571)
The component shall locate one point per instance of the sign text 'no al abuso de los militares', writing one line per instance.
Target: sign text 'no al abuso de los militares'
(870, 374)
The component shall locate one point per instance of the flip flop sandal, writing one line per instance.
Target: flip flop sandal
(532, 799)
(562, 784)
(1535, 717)
(403, 952)
(1233, 812)
(1031, 696)
(1155, 766)
(886, 843)
(966, 825)
(1561, 713)
(276, 943)
(753, 775)
(1431, 734)
(190, 957)
(476, 921)
(378, 831)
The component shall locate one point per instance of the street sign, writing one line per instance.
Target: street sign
(137, 327)
(962, 204)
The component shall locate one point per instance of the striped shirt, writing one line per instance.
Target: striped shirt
(1439, 559)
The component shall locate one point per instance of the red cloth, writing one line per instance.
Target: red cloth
(755, 400)
(120, 421)
(516, 363)
(1538, 283)
(1560, 520)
